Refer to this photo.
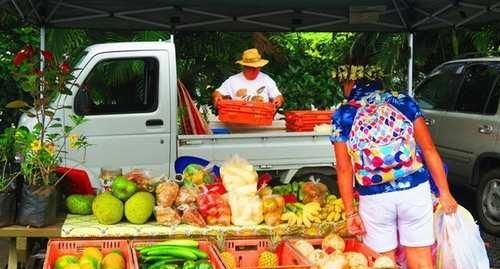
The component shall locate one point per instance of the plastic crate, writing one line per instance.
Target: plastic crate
(206, 246)
(247, 251)
(305, 120)
(350, 245)
(250, 113)
(57, 248)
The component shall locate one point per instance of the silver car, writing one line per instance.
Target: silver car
(460, 102)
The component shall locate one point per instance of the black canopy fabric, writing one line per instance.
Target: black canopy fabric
(256, 15)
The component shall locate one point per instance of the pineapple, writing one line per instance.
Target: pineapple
(268, 258)
(227, 257)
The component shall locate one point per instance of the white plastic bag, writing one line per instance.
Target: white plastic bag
(459, 243)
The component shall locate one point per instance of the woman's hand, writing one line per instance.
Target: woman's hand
(448, 203)
(355, 225)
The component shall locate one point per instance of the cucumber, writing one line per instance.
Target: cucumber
(179, 252)
(157, 264)
(180, 243)
(199, 253)
(161, 258)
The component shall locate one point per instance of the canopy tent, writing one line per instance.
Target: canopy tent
(257, 15)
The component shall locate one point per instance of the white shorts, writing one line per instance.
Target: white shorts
(407, 212)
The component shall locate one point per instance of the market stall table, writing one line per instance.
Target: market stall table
(18, 239)
(87, 226)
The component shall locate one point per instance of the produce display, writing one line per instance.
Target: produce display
(332, 252)
(173, 254)
(91, 258)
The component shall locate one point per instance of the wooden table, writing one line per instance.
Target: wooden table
(18, 239)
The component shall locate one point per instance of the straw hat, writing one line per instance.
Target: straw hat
(252, 58)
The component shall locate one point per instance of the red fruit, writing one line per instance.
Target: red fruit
(290, 198)
(64, 68)
(212, 211)
(47, 55)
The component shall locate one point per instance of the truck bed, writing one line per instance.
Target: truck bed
(268, 148)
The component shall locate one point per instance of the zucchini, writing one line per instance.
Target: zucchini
(199, 253)
(179, 243)
(179, 252)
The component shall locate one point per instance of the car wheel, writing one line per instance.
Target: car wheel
(488, 202)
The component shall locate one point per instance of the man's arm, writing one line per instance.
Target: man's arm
(216, 97)
(278, 101)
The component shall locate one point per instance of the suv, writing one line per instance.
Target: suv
(460, 102)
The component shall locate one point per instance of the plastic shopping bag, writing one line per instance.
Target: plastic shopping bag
(459, 243)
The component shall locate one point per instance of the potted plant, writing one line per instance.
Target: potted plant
(40, 146)
(8, 174)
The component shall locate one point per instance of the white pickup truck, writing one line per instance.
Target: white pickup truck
(128, 93)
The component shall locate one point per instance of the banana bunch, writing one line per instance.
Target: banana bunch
(298, 214)
(333, 209)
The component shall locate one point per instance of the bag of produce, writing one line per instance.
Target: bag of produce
(188, 195)
(142, 178)
(272, 208)
(198, 175)
(246, 208)
(237, 172)
(167, 216)
(191, 216)
(314, 191)
(214, 208)
(166, 193)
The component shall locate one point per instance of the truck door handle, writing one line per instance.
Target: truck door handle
(485, 129)
(154, 122)
(429, 121)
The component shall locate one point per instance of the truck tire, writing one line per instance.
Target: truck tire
(488, 202)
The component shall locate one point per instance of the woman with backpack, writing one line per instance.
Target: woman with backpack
(382, 142)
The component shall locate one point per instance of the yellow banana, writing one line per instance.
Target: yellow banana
(306, 221)
(299, 219)
(338, 209)
(316, 219)
(337, 216)
(330, 216)
(286, 216)
(292, 220)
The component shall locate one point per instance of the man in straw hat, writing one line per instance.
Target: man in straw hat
(251, 84)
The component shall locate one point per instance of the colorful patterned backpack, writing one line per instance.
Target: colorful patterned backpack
(381, 142)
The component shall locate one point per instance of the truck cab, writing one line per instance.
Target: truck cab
(128, 94)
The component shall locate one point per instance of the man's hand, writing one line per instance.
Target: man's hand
(216, 98)
(448, 203)
(278, 101)
(355, 225)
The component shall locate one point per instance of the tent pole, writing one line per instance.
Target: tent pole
(410, 65)
(42, 45)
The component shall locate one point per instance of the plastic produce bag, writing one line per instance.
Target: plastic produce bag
(459, 243)
(238, 173)
(37, 207)
(187, 195)
(198, 175)
(167, 216)
(246, 209)
(166, 193)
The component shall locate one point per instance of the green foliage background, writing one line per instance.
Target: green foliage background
(300, 63)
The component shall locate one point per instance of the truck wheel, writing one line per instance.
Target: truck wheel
(325, 179)
(488, 202)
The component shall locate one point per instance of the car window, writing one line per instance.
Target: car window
(119, 86)
(438, 90)
(492, 106)
(476, 88)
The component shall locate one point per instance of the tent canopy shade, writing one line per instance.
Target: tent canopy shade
(256, 15)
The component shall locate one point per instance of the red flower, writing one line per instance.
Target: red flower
(38, 72)
(26, 53)
(47, 55)
(64, 68)
(290, 198)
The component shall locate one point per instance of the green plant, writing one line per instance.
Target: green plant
(41, 146)
(7, 156)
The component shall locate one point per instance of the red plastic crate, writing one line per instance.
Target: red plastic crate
(305, 120)
(247, 251)
(57, 248)
(206, 246)
(350, 245)
(250, 113)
